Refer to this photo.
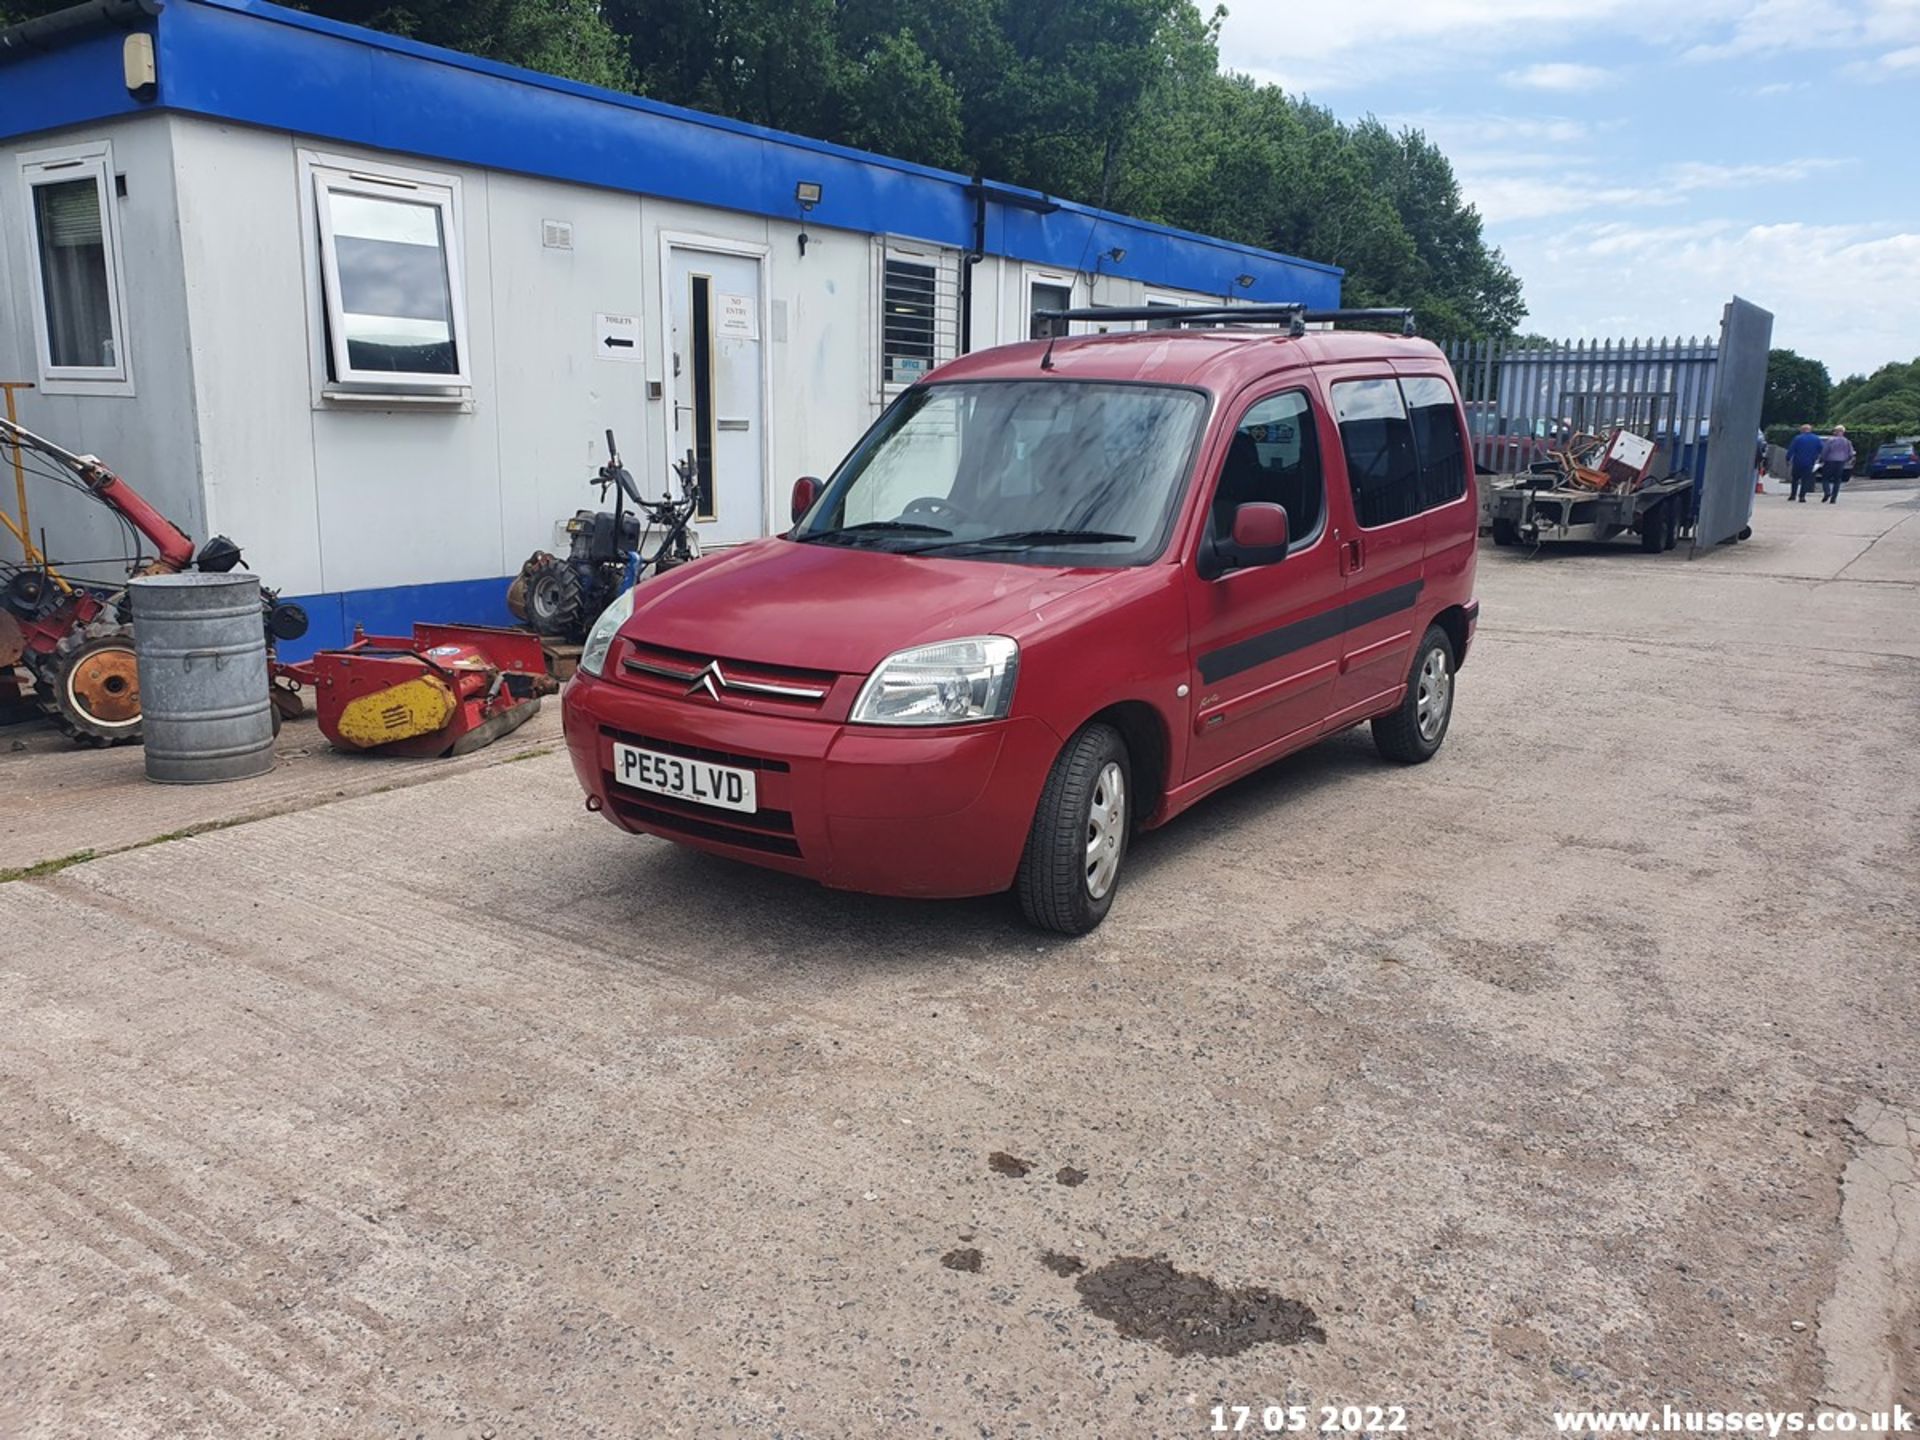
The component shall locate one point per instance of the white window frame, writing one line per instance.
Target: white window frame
(1161, 299)
(334, 380)
(1060, 279)
(92, 160)
(945, 265)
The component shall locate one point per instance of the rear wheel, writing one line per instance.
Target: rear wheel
(1670, 528)
(91, 688)
(1653, 528)
(1412, 733)
(1505, 532)
(1078, 842)
(555, 602)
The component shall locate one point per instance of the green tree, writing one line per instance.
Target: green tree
(569, 38)
(1118, 103)
(1798, 390)
(1888, 399)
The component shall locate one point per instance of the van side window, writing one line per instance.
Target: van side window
(1275, 456)
(1436, 433)
(1377, 438)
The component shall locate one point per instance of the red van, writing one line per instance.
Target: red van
(1059, 592)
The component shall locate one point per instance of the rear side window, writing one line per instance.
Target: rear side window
(1275, 456)
(1377, 439)
(1436, 437)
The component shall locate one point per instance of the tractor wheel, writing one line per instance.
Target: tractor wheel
(517, 591)
(555, 604)
(90, 686)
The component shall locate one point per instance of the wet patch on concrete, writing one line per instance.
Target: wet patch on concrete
(968, 1260)
(1012, 1166)
(1063, 1265)
(1190, 1314)
(1067, 1175)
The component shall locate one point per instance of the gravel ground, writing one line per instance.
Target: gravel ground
(1576, 1068)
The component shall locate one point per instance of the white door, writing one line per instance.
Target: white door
(714, 385)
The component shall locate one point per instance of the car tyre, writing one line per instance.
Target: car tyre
(1412, 732)
(1071, 866)
(1505, 532)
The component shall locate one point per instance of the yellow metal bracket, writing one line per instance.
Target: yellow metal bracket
(22, 529)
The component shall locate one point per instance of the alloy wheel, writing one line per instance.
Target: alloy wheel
(1106, 829)
(1434, 696)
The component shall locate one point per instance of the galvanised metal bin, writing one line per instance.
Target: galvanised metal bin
(201, 647)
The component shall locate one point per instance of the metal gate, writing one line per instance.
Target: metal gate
(1697, 399)
(1726, 495)
(1525, 399)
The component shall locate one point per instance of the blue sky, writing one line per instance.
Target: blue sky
(1639, 163)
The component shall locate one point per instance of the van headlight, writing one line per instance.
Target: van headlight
(593, 655)
(951, 683)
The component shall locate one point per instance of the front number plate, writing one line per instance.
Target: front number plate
(725, 787)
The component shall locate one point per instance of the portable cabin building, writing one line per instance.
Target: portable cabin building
(369, 307)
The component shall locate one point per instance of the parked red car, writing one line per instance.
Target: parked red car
(1058, 593)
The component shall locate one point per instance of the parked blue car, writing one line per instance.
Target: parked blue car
(1894, 459)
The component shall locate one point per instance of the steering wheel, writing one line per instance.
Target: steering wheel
(937, 506)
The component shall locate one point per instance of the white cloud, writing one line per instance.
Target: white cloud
(1560, 75)
(1509, 188)
(1845, 294)
(1771, 27)
(1690, 175)
(1893, 65)
(1781, 87)
(1327, 48)
(1317, 48)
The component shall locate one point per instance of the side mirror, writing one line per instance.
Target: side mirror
(806, 490)
(1260, 532)
(1260, 537)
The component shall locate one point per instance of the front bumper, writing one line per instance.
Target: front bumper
(928, 813)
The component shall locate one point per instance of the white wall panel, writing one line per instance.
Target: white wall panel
(247, 323)
(148, 436)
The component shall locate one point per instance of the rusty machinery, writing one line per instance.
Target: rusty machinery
(443, 690)
(1617, 461)
(74, 637)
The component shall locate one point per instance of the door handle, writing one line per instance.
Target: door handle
(1353, 557)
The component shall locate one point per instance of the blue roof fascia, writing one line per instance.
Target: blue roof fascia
(76, 85)
(259, 64)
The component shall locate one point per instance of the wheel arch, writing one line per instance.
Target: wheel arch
(1453, 620)
(1149, 750)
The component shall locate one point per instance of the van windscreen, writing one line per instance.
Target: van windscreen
(1049, 471)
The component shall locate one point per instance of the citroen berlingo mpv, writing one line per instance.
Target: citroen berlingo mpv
(1060, 592)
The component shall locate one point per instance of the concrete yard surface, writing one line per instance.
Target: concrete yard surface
(1576, 1069)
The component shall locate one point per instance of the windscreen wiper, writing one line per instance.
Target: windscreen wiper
(1027, 539)
(897, 527)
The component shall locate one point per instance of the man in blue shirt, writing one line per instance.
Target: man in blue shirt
(1803, 453)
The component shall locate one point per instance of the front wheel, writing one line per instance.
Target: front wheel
(1413, 731)
(1078, 842)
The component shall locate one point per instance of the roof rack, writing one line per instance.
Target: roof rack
(1295, 316)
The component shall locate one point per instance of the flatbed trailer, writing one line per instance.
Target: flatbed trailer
(1531, 510)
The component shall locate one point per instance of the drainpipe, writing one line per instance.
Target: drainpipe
(979, 191)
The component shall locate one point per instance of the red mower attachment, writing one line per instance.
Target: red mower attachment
(447, 690)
